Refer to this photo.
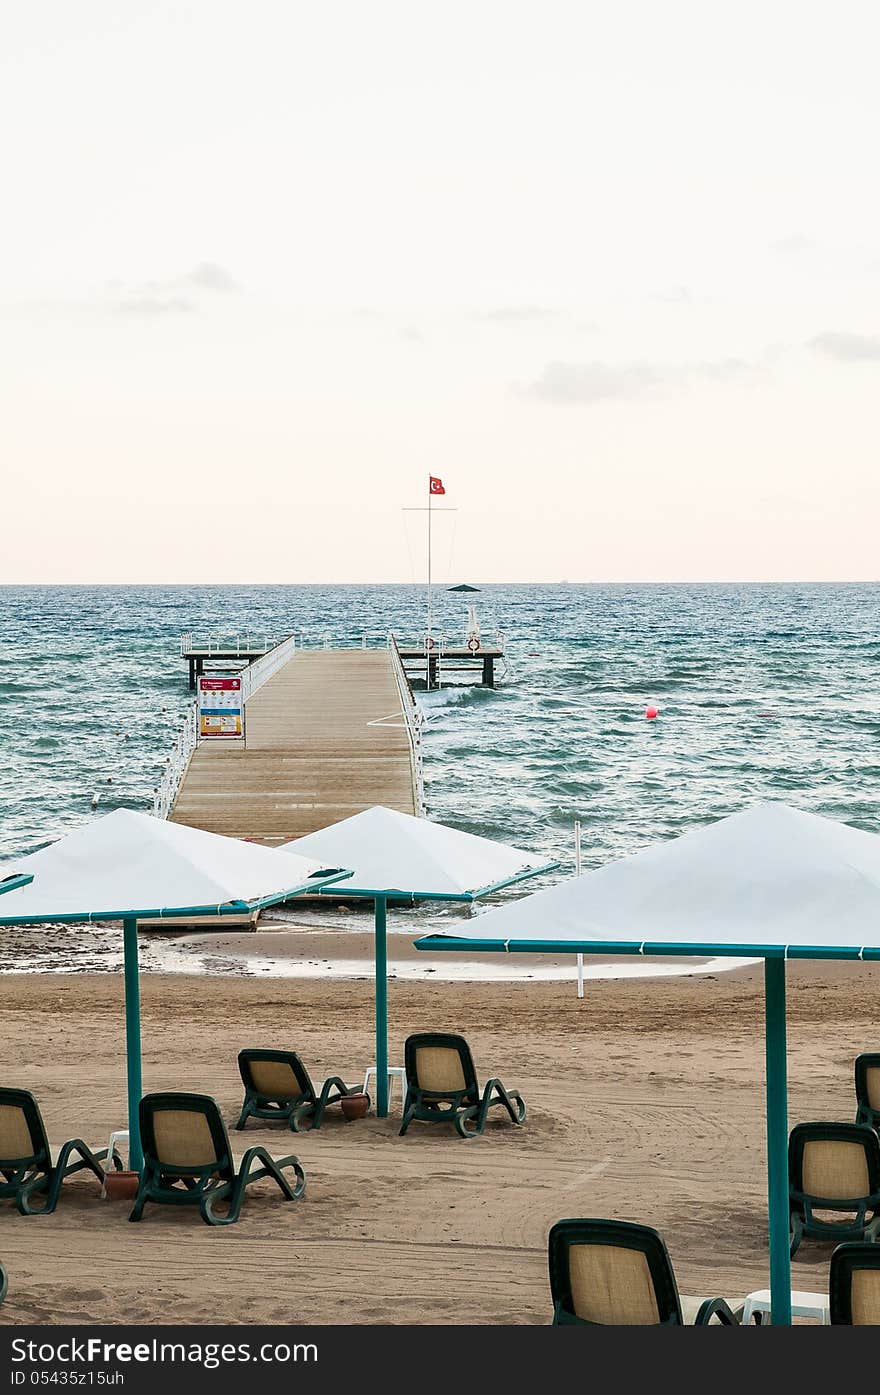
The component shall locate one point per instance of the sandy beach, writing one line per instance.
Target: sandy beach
(645, 1102)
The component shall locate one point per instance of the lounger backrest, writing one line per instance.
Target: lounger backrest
(439, 1068)
(835, 1169)
(441, 1064)
(22, 1134)
(184, 1131)
(277, 1077)
(868, 1080)
(854, 1285)
(183, 1138)
(612, 1273)
(837, 1162)
(612, 1286)
(865, 1298)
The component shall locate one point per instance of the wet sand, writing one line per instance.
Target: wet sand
(645, 1102)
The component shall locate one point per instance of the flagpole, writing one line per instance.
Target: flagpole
(430, 599)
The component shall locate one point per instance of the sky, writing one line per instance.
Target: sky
(611, 271)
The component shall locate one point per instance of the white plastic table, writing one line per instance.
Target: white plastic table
(813, 1305)
(117, 1136)
(394, 1073)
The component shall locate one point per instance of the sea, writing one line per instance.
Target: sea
(762, 692)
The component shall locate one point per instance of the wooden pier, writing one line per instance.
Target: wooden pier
(428, 666)
(325, 737)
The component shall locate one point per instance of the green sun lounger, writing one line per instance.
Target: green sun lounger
(616, 1273)
(854, 1285)
(278, 1086)
(868, 1089)
(188, 1160)
(834, 1167)
(442, 1086)
(27, 1174)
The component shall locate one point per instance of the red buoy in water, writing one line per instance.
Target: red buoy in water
(651, 712)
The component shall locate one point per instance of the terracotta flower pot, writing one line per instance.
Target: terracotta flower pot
(355, 1106)
(121, 1186)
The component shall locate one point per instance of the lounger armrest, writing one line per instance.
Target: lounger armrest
(716, 1308)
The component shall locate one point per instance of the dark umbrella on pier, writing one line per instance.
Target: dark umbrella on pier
(396, 857)
(129, 867)
(771, 882)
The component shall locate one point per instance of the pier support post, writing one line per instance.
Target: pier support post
(381, 917)
(192, 675)
(132, 1043)
(488, 671)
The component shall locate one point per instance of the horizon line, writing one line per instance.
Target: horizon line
(422, 585)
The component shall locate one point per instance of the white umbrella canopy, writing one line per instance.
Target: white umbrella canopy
(127, 865)
(392, 852)
(133, 864)
(767, 877)
(773, 881)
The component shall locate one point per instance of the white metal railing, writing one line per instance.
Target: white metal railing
(414, 718)
(165, 792)
(257, 673)
(232, 644)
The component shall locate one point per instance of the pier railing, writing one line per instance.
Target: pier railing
(414, 719)
(256, 674)
(252, 678)
(231, 645)
(165, 792)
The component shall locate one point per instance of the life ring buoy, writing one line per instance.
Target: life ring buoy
(430, 642)
(473, 644)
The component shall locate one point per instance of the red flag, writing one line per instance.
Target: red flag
(435, 486)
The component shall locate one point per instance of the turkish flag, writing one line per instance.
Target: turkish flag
(435, 486)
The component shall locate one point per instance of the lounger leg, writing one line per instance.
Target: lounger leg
(246, 1111)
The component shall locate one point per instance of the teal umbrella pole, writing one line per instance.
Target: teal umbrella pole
(381, 915)
(133, 1042)
(777, 1140)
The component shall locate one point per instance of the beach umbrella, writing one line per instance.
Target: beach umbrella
(771, 882)
(396, 857)
(127, 866)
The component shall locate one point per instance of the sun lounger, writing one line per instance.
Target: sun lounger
(868, 1090)
(278, 1086)
(188, 1160)
(619, 1274)
(854, 1285)
(836, 1168)
(27, 1173)
(441, 1086)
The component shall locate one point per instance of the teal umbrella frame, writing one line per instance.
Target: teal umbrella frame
(775, 1049)
(381, 898)
(131, 971)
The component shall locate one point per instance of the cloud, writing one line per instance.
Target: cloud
(675, 295)
(795, 242)
(175, 295)
(568, 384)
(413, 334)
(517, 314)
(210, 276)
(155, 305)
(848, 348)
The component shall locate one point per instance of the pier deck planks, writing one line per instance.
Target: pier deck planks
(310, 756)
